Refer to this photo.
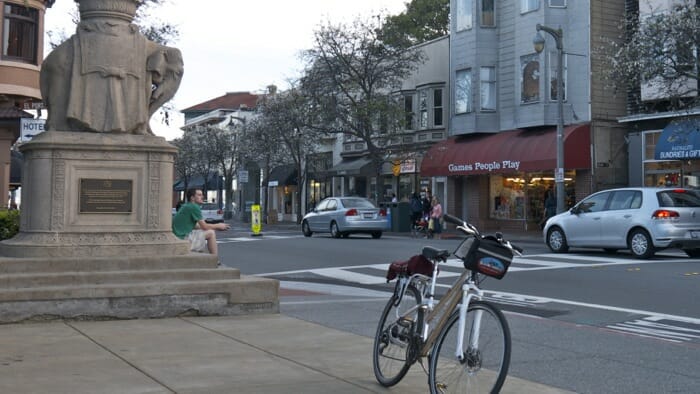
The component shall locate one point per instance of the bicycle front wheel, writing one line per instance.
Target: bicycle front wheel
(481, 365)
(394, 342)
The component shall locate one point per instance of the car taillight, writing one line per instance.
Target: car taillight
(664, 214)
(351, 212)
(219, 212)
(382, 212)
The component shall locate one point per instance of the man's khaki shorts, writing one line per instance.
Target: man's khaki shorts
(197, 241)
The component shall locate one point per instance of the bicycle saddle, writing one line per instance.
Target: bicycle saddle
(431, 253)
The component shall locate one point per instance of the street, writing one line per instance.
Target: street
(585, 321)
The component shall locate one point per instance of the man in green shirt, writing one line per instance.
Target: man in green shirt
(188, 224)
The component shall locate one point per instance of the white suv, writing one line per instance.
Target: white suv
(643, 220)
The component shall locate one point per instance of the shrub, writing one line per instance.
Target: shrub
(9, 223)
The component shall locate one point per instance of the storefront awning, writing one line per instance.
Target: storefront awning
(351, 166)
(285, 175)
(680, 140)
(508, 152)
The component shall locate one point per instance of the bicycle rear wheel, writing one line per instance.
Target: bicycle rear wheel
(482, 369)
(394, 342)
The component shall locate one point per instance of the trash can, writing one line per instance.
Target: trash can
(401, 217)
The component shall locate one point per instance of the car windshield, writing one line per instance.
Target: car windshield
(357, 203)
(678, 198)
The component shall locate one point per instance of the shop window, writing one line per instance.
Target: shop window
(507, 197)
(488, 13)
(20, 33)
(437, 107)
(423, 110)
(529, 5)
(554, 74)
(488, 88)
(464, 14)
(463, 91)
(530, 78)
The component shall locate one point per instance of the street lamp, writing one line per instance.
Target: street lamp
(538, 43)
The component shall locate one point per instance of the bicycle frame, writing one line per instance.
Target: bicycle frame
(440, 312)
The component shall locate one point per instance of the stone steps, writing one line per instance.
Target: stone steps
(12, 265)
(129, 287)
(34, 280)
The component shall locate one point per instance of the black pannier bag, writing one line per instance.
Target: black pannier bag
(485, 255)
(417, 264)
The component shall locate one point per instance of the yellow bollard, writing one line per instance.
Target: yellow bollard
(255, 221)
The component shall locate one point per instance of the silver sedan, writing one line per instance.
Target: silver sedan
(342, 216)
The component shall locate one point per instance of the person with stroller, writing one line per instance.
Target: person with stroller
(416, 214)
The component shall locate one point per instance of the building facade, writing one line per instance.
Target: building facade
(501, 152)
(22, 45)
(664, 145)
(425, 98)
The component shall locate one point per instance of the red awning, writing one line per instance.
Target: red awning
(508, 152)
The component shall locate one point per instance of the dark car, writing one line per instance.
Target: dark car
(342, 216)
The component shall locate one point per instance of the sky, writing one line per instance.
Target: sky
(238, 46)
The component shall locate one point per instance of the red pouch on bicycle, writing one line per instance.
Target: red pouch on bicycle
(486, 256)
(417, 264)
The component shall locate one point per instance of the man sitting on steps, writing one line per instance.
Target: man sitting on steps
(188, 224)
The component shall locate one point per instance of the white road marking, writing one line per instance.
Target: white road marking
(251, 238)
(649, 327)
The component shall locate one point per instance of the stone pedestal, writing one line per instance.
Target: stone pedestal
(95, 238)
(57, 219)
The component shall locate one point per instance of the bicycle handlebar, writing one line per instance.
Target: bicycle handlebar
(470, 229)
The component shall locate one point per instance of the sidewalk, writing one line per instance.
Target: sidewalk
(246, 354)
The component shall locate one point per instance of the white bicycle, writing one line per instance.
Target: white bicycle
(466, 340)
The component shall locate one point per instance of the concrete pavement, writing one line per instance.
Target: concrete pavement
(246, 354)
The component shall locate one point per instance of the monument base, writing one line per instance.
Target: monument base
(96, 194)
(95, 238)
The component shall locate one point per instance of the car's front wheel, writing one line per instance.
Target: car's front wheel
(306, 229)
(556, 240)
(335, 232)
(695, 253)
(640, 244)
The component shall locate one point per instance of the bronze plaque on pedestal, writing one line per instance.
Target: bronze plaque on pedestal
(105, 195)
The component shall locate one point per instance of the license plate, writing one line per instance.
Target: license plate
(368, 216)
(695, 234)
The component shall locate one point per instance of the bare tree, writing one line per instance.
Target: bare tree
(285, 122)
(658, 52)
(185, 160)
(349, 79)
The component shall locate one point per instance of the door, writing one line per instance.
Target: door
(617, 219)
(583, 226)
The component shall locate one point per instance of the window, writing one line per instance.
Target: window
(625, 199)
(553, 75)
(594, 203)
(463, 91)
(529, 5)
(20, 33)
(464, 14)
(488, 16)
(437, 107)
(530, 78)
(408, 112)
(423, 110)
(557, 3)
(488, 88)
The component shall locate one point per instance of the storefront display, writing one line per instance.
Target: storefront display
(522, 197)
